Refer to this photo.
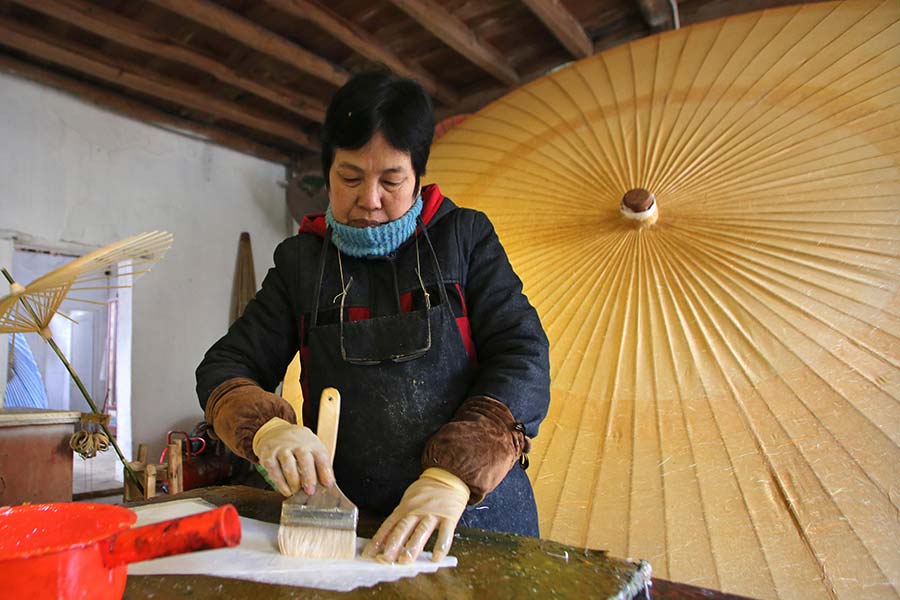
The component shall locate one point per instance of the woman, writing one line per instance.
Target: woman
(409, 307)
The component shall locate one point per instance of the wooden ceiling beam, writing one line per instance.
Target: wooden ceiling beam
(657, 14)
(138, 36)
(456, 34)
(362, 43)
(256, 37)
(139, 111)
(35, 42)
(567, 29)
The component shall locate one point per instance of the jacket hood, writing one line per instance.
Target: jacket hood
(432, 202)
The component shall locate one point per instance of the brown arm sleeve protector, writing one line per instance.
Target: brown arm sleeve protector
(480, 445)
(238, 407)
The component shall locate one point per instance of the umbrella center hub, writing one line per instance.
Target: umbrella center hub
(639, 206)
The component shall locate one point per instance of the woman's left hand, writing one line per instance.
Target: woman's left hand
(436, 500)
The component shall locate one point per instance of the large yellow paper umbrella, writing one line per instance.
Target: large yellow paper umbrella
(31, 308)
(725, 357)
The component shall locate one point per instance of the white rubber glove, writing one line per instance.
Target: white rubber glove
(436, 499)
(293, 456)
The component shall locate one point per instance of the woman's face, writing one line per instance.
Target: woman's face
(371, 185)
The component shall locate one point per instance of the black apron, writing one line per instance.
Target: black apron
(401, 378)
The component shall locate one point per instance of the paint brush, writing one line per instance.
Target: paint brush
(321, 525)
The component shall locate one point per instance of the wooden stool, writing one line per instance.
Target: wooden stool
(148, 473)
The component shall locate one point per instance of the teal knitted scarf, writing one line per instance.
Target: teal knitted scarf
(379, 240)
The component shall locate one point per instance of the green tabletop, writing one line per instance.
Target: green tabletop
(491, 565)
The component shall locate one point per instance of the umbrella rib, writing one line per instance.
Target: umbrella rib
(809, 262)
(636, 136)
(607, 166)
(752, 125)
(587, 394)
(629, 170)
(729, 346)
(597, 281)
(679, 149)
(768, 229)
(729, 266)
(759, 100)
(613, 161)
(675, 167)
(751, 163)
(874, 353)
(661, 145)
(531, 146)
(756, 247)
(551, 187)
(615, 295)
(649, 146)
(745, 418)
(652, 273)
(574, 275)
(726, 155)
(748, 169)
(666, 156)
(675, 279)
(569, 180)
(784, 186)
(663, 284)
(585, 153)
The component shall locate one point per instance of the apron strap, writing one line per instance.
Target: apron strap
(322, 256)
(442, 288)
(437, 267)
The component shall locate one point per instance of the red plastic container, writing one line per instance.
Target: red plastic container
(67, 550)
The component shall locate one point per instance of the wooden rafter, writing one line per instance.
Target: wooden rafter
(564, 26)
(363, 43)
(456, 34)
(140, 111)
(255, 36)
(96, 64)
(657, 14)
(139, 36)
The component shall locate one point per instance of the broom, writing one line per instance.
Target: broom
(322, 525)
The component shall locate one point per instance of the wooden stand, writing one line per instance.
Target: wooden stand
(148, 473)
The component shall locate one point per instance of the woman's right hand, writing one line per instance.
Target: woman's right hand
(293, 456)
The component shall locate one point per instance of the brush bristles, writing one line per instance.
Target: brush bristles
(317, 542)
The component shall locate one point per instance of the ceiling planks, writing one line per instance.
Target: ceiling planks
(257, 75)
(564, 26)
(96, 64)
(209, 14)
(136, 35)
(363, 43)
(456, 34)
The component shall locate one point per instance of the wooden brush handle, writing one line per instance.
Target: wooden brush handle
(329, 415)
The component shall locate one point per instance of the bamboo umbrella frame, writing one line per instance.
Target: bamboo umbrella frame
(31, 308)
(708, 222)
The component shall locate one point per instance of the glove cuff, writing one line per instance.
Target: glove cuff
(447, 478)
(237, 408)
(273, 423)
(480, 445)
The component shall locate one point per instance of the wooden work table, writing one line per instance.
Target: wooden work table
(490, 565)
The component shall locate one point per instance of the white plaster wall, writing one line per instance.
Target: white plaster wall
(71, 173)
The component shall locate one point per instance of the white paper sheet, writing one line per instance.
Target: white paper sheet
(257, 557)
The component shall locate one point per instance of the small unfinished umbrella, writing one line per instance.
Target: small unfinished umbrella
(708, 221)
(31, 308)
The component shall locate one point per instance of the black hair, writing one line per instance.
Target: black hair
(375, 101)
